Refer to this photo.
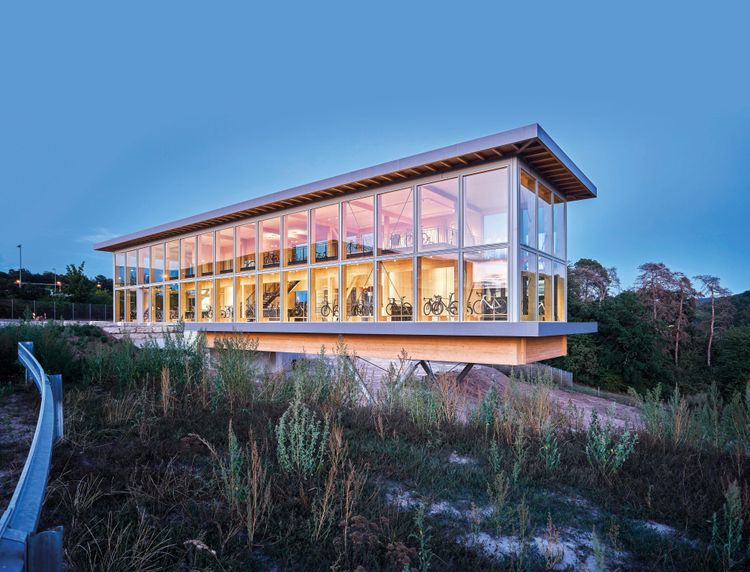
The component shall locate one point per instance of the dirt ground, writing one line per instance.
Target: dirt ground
(18, 415)
(481, 378)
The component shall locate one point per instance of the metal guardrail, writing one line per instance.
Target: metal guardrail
(21, 547)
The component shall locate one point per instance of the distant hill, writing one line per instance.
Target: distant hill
(741, 303)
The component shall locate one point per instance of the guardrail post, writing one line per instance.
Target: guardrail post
(44, 551)
(26, 373)
(55, 382)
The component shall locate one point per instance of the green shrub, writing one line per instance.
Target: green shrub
(301, 440)
(236, 368)
(726, 532)
(605, 449)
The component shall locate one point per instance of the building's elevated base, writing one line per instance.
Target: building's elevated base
(475, 349)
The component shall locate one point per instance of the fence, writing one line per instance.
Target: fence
(14, 309)
(21, 547)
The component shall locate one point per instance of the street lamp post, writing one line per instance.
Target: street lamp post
(20, 267)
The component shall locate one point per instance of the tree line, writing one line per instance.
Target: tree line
(73, 286)
(667, 328)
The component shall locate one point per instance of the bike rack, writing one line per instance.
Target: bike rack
(21, 547)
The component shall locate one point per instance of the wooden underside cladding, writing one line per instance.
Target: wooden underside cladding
(464, 349)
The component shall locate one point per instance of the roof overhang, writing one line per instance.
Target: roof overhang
(530, 143)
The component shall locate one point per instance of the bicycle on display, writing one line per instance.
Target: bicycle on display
(437, 305)
(327, 310)
(250, 313)
(484, 306)
(400, 308)
(299, 310)
(270, 259)
(226, 313)
(361, 308)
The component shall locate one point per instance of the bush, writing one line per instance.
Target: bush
(605, 450)
(301, 440)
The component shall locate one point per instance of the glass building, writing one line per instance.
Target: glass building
(461, 249)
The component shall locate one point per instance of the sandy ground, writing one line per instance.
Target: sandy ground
(18, 416)
(481, 378)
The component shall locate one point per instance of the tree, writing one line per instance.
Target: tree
(719, 306)
(654, 285)
(733, 359)
(77, 285)
(593, 282)
(686, 296)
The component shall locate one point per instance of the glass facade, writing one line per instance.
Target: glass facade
(433, 251)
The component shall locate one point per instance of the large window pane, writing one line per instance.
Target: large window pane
(145, 297)
(438, 215)
(559, 227)
(120, 305)
(325, 282)
(120, 269)
(187, 247)
(157, 303)
(270, 298)
(131, 305)
(438, 287)
(246, 247)
(527, 210)
(396, 290)
(206, 300)
(324, 224)
(187, 300)
(544, 219)
(486, 285)
(396, 222)
(144, 266)
(295, 238)
(270, 242)
(527, 266)
(224, 250)
(225, 299)
(246, 299)
(358, 292)
(132, 268)
(173, 260)
(559, 295)
(206, 254)
(157, 263)
(359, 220)
(172, 309)
(295, 288)
(545, 294)
(486, 208)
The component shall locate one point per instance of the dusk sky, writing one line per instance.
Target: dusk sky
(118, 117)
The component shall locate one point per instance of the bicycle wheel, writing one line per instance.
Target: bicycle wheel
(406, 309)
(389, 308)
(325, 310)
(427, 308)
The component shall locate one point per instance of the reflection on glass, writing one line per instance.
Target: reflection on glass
(486, 208)
(559, 295)
(545, 295)
(132, 308)
(270, 298)
(157, 263)
(206, 301)
(527, 267)
(396, 222)
(120, 305)
(438, 287)
(438, 215)
(295, 287)
(559, 227)
(145, 296)
(246, 302)
(295, 238)
(325, 290)
(246, 247)
(225, 250)
(120, 269)
(173, 260)
(157, 303)
(359, 231)
(486, 285)
(396, 290)
(144, 266)
(206, 254)
(172, 308)
(187, 247)
(270, 243)
(225, 299)
(187, 300)
(132, 268)
(527, 210)
(544, 219)
(324, 225)
(358, 292)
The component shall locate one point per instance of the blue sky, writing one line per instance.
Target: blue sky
(116, 117)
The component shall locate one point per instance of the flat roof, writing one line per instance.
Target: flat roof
(530, 143)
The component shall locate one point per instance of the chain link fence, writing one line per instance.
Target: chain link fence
(34, 309)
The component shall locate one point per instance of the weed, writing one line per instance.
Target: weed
(605, 450)
(301, 440)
